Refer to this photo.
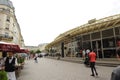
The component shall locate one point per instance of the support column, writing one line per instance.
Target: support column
(62, 49)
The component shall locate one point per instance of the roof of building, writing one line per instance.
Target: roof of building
(92, 25)
(7, 3)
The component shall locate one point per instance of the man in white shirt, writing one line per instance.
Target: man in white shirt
(83, 53)
(88, 51)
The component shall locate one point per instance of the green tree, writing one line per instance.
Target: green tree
(38, 51)
(32, 51)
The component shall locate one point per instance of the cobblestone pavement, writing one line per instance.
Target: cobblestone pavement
(50, 69)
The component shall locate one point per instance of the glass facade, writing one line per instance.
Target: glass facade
(104, 42)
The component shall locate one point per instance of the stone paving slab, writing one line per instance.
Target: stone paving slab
(50, 69)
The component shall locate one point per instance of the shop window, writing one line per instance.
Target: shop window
(96, 44)
(107, 33)
(108, 43)
(109, 53)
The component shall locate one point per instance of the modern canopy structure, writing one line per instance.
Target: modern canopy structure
(101, 35)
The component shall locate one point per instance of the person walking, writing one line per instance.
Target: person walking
(86, 62)
(83, 54)
(10, 65)
(35, 58)
(87, 51)
(58, 56)
(116, 72)
(92, 59)
(118, 53)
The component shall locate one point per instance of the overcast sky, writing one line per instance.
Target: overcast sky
(41, 21)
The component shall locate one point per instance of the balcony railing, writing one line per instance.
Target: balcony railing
(6, 37)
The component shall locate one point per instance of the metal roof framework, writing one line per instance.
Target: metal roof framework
(86, 28)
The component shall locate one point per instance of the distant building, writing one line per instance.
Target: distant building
(9, 28)
(42, 47)
(30, 48)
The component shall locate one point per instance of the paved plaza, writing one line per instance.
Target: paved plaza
(51, 69)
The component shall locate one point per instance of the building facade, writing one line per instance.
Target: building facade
(102, 35)
(9, 28)
(41, 47)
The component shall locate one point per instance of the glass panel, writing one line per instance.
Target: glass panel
(107, 33)
(108, 43)
(86, 37)
(94, 45)
(117, 31)
(99, 44)
(95, 35)
(86, 45)
(78, 47)
(118, 41)
(109, 53)
(100, 54)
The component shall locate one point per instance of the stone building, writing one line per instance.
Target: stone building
(9, 28)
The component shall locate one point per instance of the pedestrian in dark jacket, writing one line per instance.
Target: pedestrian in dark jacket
(10, 65)
(116, 74)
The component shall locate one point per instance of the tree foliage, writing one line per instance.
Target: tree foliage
(38, 51)
(32, 51)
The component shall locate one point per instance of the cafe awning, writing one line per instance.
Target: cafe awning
(4, 46)
(22, 50)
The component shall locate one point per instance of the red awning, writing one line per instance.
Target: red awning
(22, 50)
(9, 47)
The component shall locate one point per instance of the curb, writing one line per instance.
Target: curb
(81, 62)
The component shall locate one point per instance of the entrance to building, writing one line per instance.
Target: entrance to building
(96, 45)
